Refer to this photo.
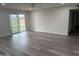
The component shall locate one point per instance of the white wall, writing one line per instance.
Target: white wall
(4, 23)
(52, 20)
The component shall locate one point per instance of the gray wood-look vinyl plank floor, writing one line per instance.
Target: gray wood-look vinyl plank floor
(39, 44)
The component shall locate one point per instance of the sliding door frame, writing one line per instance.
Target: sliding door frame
(18, 22)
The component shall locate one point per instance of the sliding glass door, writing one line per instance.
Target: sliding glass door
(17, 22)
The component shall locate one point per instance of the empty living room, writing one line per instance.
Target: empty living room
(39, 29)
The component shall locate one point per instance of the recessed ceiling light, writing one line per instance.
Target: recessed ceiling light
(62, 3)
(3, 3)
(30, 9)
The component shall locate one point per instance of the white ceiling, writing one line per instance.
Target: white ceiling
(27, 6)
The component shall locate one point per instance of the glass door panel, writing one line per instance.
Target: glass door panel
(14, 23)
(22, 22)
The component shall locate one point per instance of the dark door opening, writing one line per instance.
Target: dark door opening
(74, 21)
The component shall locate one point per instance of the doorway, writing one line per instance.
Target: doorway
(17, 23)
(74, 21)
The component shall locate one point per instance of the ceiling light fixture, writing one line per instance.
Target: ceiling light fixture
(30, 9)
(32, 6)
(3, 3)
(62, 3)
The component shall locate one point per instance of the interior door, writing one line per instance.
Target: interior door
(74, 21)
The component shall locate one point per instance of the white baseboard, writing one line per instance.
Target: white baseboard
(51, 32)
(5, 35)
